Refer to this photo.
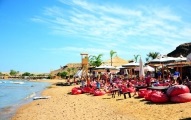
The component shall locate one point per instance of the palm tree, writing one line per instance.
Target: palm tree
(95, 61)
(111, 55)
(152, 55)
(136, 57)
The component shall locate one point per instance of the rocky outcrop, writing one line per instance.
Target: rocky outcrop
(183, 49)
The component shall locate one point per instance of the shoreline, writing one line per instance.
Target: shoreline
(9, 111)
(62, 105)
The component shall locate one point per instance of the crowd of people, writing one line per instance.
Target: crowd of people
(109, 80)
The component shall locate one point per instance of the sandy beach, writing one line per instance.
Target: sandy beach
(64, 106)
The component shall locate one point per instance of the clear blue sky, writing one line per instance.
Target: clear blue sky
(42, 35)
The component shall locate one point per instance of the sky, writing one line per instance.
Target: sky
(42, 35)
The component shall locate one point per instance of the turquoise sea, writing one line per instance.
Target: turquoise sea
(14, 93)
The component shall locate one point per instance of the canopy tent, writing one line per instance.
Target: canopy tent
(166, 61)
(106, 68)
(131, 65)
(183, 62)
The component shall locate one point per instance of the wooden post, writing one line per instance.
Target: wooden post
(181, 71)
(162, 72)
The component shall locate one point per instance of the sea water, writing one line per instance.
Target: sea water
(14, 93)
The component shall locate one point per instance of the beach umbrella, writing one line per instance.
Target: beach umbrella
(141, 69)
(105, 67)
(130, 65)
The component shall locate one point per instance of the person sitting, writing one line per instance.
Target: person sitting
(156, 83)
(179, 80)
(83, 82)
(187, 83)
(148, 79)
(159, 74)
(173, 81)
(98, 85)
(176, 74)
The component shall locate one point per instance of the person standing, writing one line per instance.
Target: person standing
(176, 74)
(82, 82)
(111, 78)
(159, 74)
(188, 83)
(179, 81)
(148, 79)
(98, 84)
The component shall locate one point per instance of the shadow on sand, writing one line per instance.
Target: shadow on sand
(186, 118)
(119, 99)
(106, 98)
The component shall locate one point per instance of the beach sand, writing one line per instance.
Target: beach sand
(64, 106)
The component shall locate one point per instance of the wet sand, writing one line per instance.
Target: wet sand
(64, 106)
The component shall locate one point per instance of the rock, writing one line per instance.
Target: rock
(183, 49)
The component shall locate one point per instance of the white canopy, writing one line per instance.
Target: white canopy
(165, 59)
(133, 64)
(105, 67)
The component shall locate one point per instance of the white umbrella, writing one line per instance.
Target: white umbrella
(162, 60)
(105, 67)
(141, 69)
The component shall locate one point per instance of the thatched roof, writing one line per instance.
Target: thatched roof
(116, 61)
